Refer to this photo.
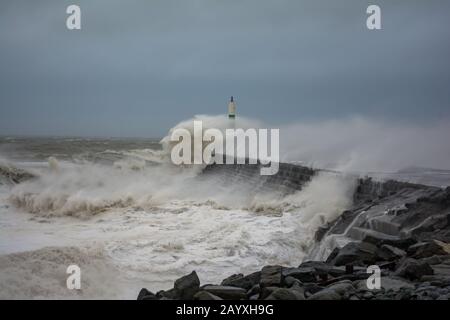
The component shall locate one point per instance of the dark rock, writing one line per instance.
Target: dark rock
(144, 294)
(428, 249)
(332, 255)
(321, 232)
(167, 295)
(356, 253)
(322, 268)
(287, 294)
(227, 292)
(337, 291)
(289, 281)
(325, 295)
(311, 288)
(349, 268)
(271, 276)
(255, 290)
(390, 265)
(341, 287)
(266, 291)
(435, 280)
(241, 281)
(432, 224)
(205, 295)
(367, 295)
(389, 253)
(304, 274)
(187, 286)
(413, 269)
(437, 260)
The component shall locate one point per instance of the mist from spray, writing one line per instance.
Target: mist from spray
(363, 144)
(149, 221)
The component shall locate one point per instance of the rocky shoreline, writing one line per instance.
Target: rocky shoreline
(402, 228)
(410, 270)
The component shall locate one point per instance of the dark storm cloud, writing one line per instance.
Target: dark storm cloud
(138, 67)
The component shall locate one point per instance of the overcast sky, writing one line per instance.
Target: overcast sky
(139, 67)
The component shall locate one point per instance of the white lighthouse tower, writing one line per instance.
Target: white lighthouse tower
(231, 109)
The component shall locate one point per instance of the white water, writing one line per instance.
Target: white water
(130, 226)
(130, 219)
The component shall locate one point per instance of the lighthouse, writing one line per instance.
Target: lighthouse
(231, 109)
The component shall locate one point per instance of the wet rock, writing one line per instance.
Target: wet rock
(186, 287)
(304, 274)
(436, 280)
(205, 295)
(322, 268)
(266, 291)
(389, 253)
(341, 287)
(437, 260)
(144, 294)
(325, 295)
(227, 292)
(428, 249)
(255, 290)
(441, 270)
(367, 295)
(167, 295)
(356, 253)
(403, 295)
(294, 293)
(444, 297)
(337, 291)
(289, 281)
(311, 288)
(271, 276)
(321, 232)
(413, 269)
(241, 281)
(332, 256)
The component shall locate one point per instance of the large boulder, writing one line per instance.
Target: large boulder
(205, 295)
(266, 291)
(428, 249)
(337, 291)
(241, 281)
(186, 287)
(322, 268)
(293, 293)
(413, 269)
(304, 274)
(144, 294)
(226, 292)
(390, 253)
(271, 276)
(356, 253)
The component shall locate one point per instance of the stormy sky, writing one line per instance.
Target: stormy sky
(139, 67)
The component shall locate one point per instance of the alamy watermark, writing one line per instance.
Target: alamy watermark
(73, 281)
(73, 21)
(238, 146)
(374, 281)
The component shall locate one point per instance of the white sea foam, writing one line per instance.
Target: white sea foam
(149, 226)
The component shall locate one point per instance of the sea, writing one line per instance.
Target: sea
(129, 218)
